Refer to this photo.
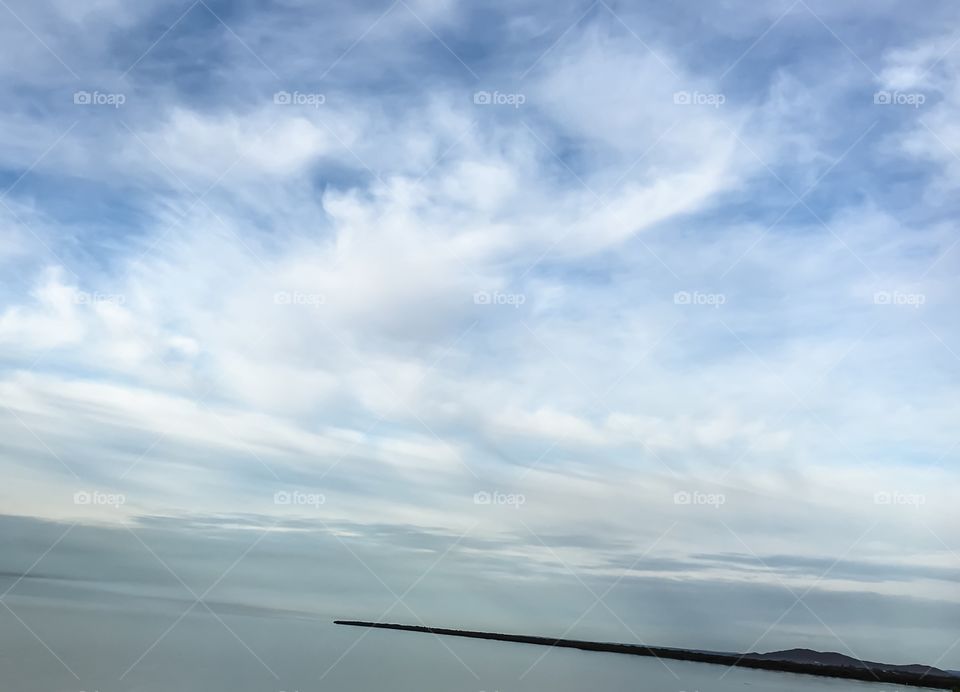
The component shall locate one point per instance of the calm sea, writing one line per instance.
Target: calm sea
(112, 646)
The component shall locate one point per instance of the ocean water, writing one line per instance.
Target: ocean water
(110, 609)
(120, 644)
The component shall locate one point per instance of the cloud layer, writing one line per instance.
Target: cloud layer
(574, 282)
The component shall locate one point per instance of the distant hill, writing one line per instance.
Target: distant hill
(832, 658)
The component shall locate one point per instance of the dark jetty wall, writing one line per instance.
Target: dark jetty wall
(741, 661)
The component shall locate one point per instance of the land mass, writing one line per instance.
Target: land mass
(803, 661)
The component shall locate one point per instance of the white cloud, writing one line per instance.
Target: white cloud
(317, 317)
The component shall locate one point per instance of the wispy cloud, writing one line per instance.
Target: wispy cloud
(423, 260)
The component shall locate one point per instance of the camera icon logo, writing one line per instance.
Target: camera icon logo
(481, 297)
(281, 497)
(481, 498)
(681, 298)
(882, 98)
(482, 98)
(82, 98)
(681, 498)
(681, 98)
(81, 497)
(282, 98)
(882, 298)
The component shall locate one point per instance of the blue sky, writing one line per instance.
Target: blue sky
(676, 274)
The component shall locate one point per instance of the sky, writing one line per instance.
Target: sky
(515, 309)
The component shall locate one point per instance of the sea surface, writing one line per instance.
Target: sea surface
(122, 644)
